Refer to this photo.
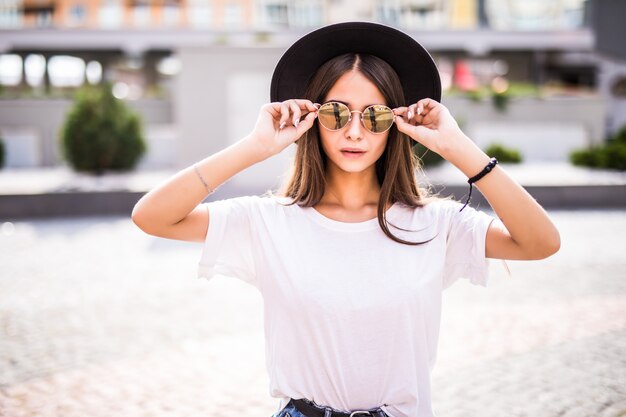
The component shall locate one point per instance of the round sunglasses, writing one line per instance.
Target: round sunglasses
(376, 118)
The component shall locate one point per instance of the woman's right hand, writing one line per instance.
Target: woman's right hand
(281, 123)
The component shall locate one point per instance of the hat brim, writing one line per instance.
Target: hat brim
(413, 64)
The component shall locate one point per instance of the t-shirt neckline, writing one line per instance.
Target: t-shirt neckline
(319, 218)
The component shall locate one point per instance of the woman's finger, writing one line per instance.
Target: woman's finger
(425, 105)
(412, 114)
(306, 123)
(274, 108)
(400, 111)
(295, 109)
(284, 114)
(418, 133)
(303, 104)
(406, 127)
(291, 111)
(306, 104)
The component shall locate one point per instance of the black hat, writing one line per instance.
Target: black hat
(413, 64)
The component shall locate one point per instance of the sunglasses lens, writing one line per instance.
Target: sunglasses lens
(333, 115)
(377, 119)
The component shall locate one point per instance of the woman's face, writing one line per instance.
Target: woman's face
(357, 92)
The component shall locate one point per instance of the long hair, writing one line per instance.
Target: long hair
(395, 169)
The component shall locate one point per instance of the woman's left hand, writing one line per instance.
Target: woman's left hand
(431, 124)
(527, 231)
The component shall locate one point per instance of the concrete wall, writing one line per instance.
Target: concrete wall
(612, 70)
(542, 130)
(219, 94)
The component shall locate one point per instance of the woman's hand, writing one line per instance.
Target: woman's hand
(281, 123)
(431, 124)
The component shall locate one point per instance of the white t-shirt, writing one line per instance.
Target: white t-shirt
(351, 317)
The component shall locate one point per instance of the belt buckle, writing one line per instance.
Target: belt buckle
(360, 412)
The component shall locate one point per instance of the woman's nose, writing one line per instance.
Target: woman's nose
(354, 131)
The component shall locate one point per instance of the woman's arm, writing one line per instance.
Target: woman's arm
(525, 230)
(528, 232)
(172, 209)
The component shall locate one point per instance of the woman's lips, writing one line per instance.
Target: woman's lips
(352, 153)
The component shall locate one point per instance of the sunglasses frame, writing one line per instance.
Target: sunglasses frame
(361, 118)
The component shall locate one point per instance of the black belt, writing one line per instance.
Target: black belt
(310, 410)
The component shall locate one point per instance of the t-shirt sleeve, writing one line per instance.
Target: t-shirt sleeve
(229, 245)
(465, 245)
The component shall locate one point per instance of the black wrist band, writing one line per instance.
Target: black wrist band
(486, 170)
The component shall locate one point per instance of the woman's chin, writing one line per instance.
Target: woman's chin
(353, 167)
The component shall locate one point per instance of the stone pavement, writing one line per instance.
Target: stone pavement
(99, 319)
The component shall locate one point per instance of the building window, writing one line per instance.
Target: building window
(536, 14)
(171, 15)
(43, 18)
(200, 14)
(66, 71)
(233, 15)
(76, 15)
(573, 16)
(462, 14)
(141, 15)
(10, 15)
(276, 14)
(306, 13)
(111, 14)
(93, 72)
(387, 12)
(423, 14)
(169, 66)
(35, 69)
(10, 69)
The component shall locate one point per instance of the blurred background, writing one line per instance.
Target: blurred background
(540, 79)
(101, 100)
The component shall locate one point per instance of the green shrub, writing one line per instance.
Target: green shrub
(475, 95)
(615, 156)
(611, 155)
(504, 154)
(2, 153)
(585, 157)
(262, 37)
(101, 133)
(620, 136)
(500, 100)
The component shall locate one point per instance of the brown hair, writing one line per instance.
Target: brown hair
(395, 169)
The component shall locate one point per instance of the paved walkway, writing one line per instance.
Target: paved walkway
(99, 319)
(63, 179)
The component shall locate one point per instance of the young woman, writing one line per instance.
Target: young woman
(351, 256)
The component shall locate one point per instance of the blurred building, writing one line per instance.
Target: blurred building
(173, 59)
(533, 34)
(271, 14)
